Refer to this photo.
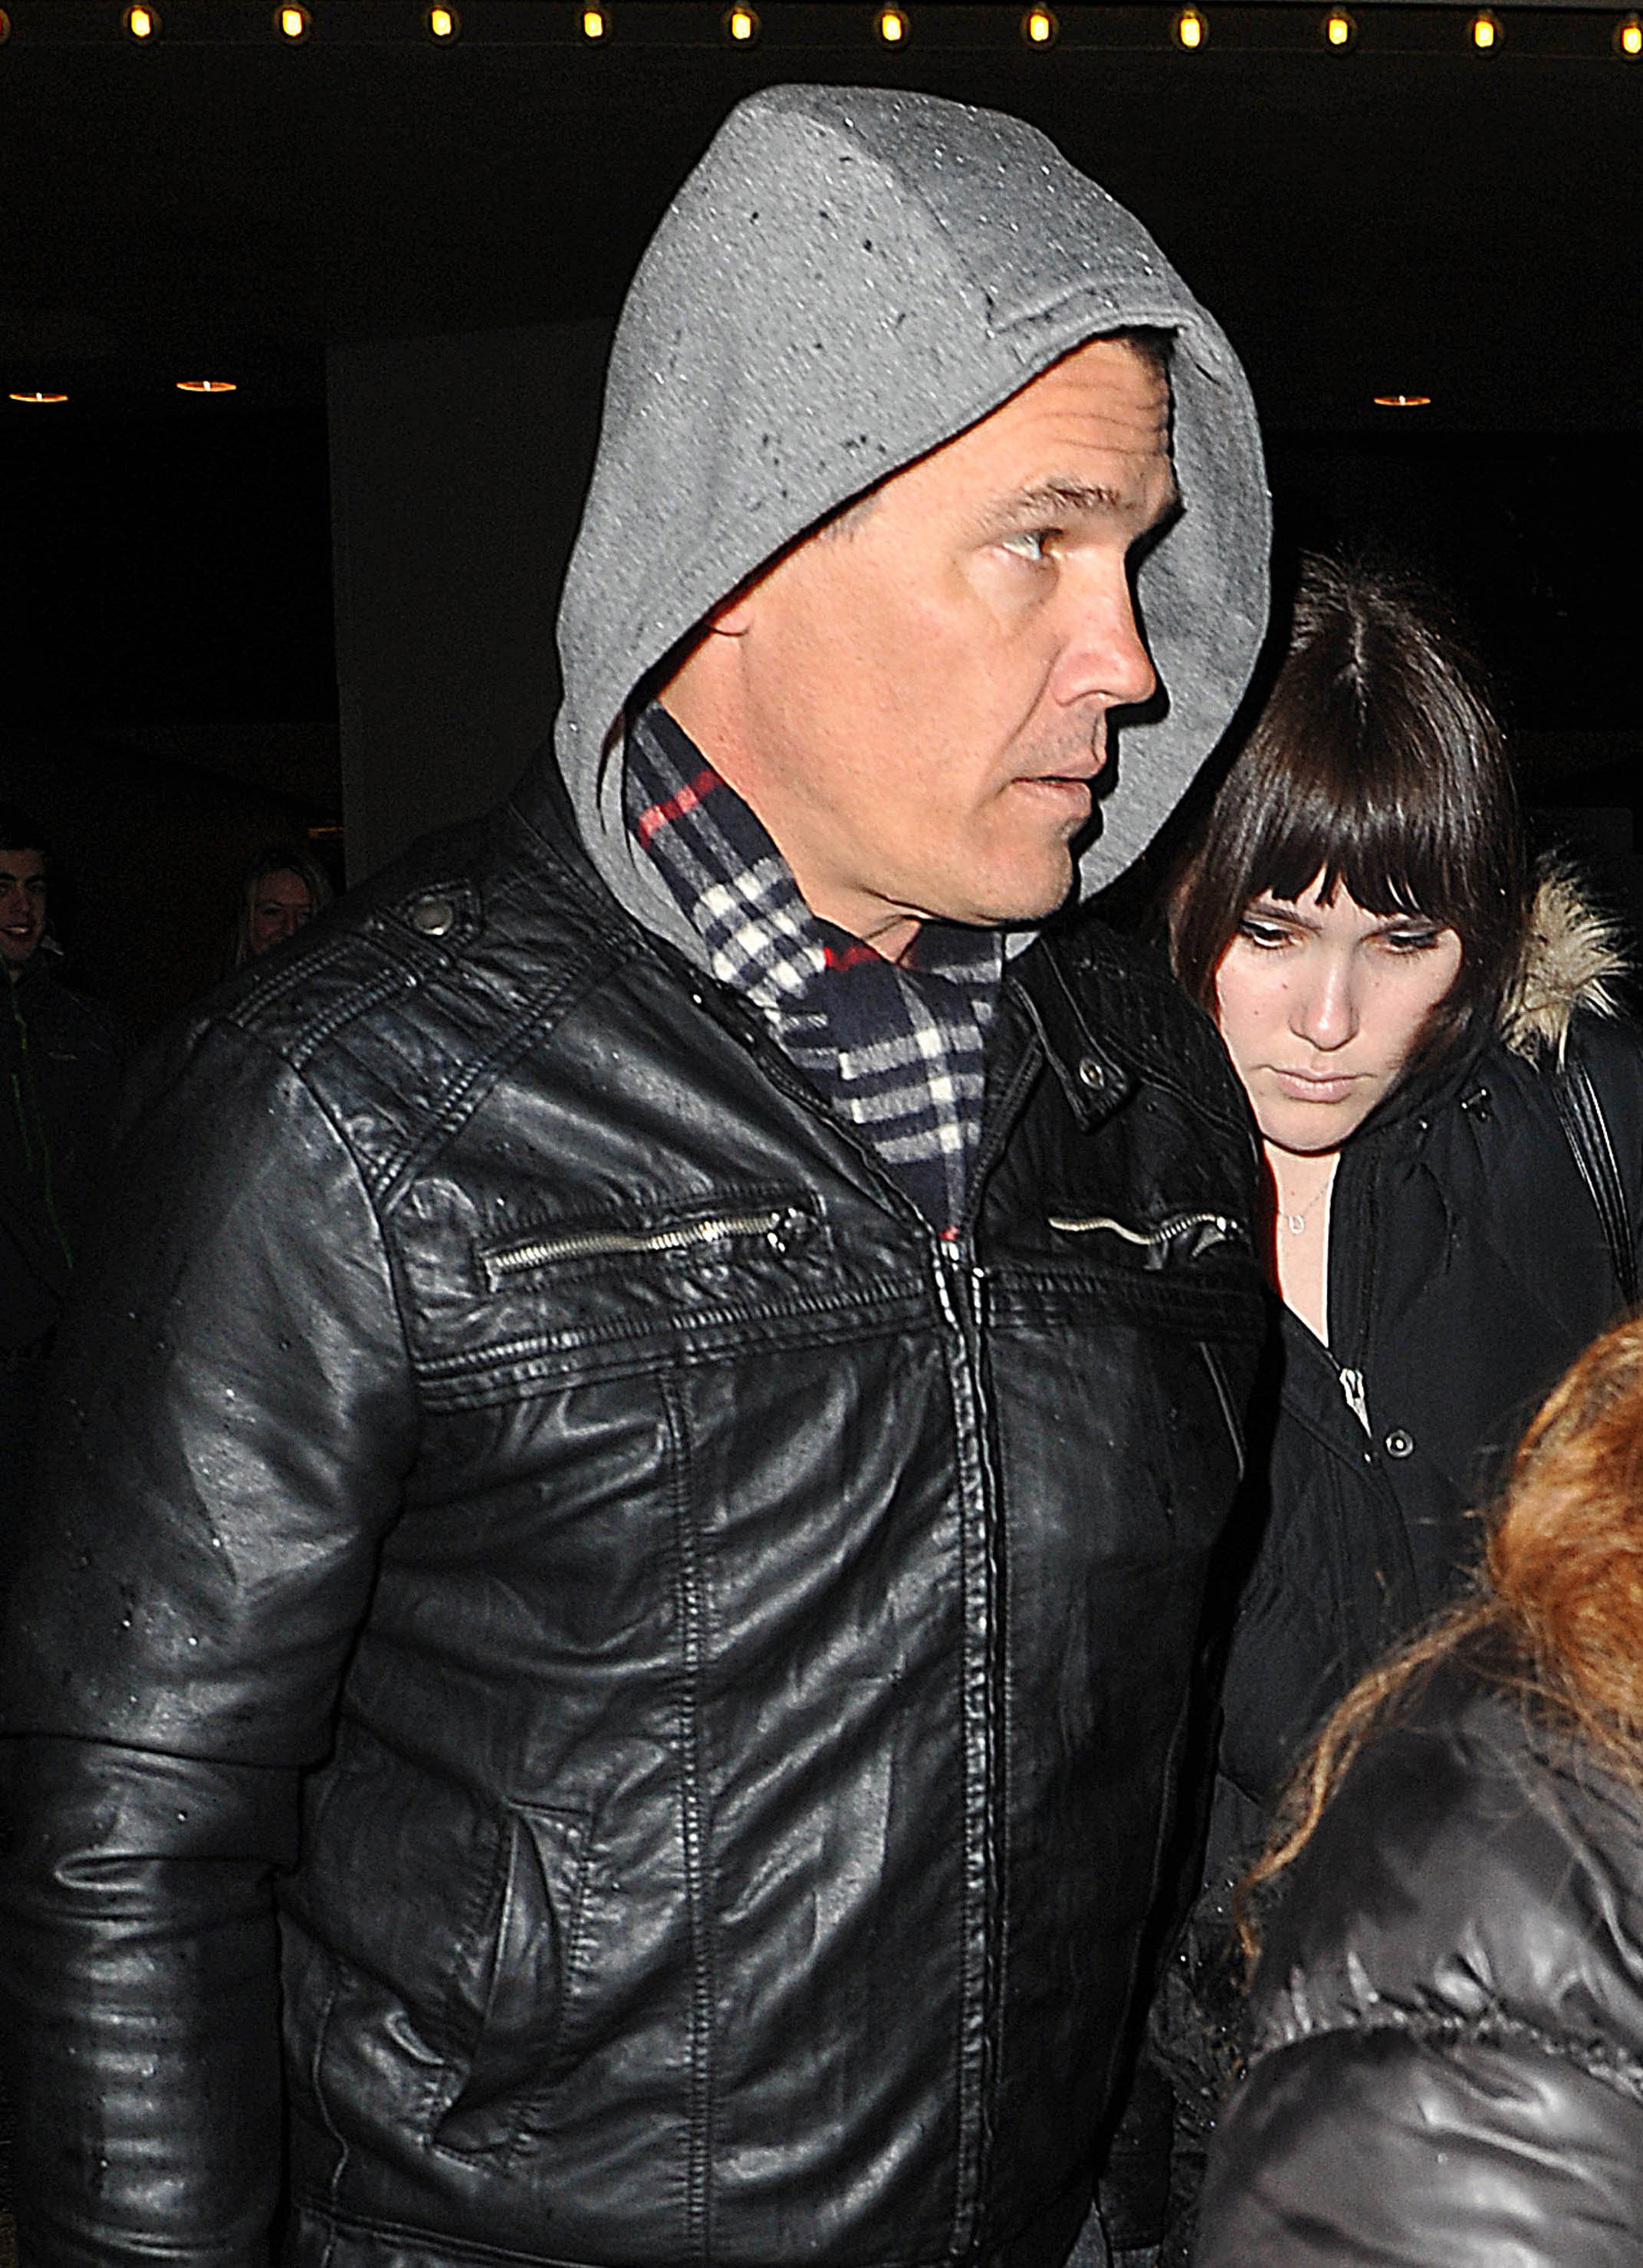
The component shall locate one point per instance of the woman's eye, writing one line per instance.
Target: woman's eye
(1263, 933)
(1413, 941)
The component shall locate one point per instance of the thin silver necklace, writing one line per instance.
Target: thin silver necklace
(1296, 1222)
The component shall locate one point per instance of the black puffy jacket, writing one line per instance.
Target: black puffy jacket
(1448, 2054)
(731, 1643)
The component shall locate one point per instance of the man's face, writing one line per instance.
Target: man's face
(923, 692)
(22, 906)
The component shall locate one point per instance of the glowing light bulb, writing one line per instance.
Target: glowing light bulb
(1191, 31)
(294, 24)
(1485, 31)
(38, 397)
(595, 23)
(1628, 37)
(1402, 402)
(1039, 28)
(442, 23)
(142, 23)
(1339, 29)
(892, 26)
(207, 385)
(741, 25)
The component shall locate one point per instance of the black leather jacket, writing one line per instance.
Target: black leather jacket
(1447, 2060)
(731, 1645)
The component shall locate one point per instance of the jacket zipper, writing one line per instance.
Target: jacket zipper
(960, 1283)
(1357, 1396)
(596, 1244)
(1226, 1230)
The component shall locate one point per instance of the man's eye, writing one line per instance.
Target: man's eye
(1413, 941)
(1031, 543)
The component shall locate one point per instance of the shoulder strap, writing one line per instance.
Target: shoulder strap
(1581, 1114)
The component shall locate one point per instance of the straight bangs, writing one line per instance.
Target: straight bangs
(1368, 820)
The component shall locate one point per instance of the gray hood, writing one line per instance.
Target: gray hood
(848, 278)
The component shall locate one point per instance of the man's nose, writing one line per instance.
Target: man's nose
(1104, 656)
(1324, 1009)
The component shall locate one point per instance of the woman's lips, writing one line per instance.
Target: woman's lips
(1316, 1086)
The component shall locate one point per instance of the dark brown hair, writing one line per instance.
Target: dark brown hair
(1378, 762)
(1558, 1616)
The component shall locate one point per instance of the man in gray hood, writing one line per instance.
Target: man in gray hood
(628, 1503)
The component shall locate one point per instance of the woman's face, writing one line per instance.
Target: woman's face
(1321, 1007)
(281, 904)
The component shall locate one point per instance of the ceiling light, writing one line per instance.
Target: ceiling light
(38, 397)
(1402, 402)
(893, 27)
(595, 23)
(292, 23)
(1191, 31)
(207, 385)
(141, 23)
(1339, 29)
(1628, 37)
(1486, 32)
(444, 24)
(1039, 28)
(741, 27)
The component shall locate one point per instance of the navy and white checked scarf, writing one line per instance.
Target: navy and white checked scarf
(898, 1047)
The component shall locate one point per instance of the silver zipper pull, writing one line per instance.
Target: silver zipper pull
(1357, 1400)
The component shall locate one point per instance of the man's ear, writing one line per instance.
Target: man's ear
(733, 617)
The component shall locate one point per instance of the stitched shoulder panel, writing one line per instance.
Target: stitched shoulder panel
(403, 1005)
(1141, 1013)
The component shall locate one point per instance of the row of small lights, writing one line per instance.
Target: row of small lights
(184, 386)
(1039, 27)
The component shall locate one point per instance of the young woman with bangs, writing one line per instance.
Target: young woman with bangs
(1451, 1112)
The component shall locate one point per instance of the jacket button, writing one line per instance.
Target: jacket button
(1090, 1074)
(1399, 1444)
(433, 917)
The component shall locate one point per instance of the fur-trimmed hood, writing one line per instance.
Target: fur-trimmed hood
(1572, 958)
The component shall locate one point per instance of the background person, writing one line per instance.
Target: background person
(647, 1449)
(1416, 1028)
(282, 890)
(61, 1058)
(1447, 2052)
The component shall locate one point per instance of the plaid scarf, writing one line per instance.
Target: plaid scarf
(897, 1047)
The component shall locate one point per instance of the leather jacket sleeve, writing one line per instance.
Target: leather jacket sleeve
(229, 1428)
(1378, 2149)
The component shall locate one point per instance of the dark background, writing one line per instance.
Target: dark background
(407, 258)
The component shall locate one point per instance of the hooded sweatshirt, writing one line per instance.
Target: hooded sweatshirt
(848, 279)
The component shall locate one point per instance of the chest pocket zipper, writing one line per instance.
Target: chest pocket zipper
(776, 1225)
(1195, 1232)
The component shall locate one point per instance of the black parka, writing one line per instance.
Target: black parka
(714, 1652)
(1447, 2059)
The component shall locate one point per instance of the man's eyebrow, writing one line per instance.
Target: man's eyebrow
(1077, 497)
